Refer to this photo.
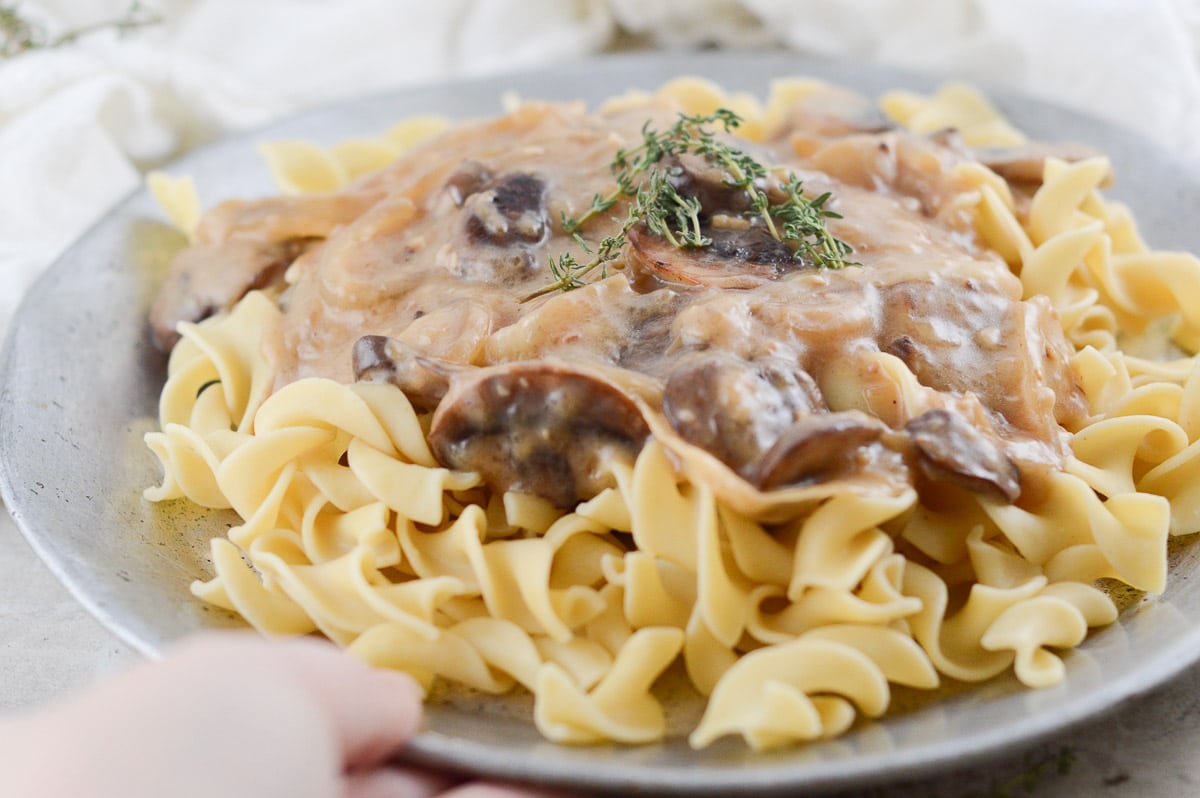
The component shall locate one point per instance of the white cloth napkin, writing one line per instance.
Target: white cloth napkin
(80, 124)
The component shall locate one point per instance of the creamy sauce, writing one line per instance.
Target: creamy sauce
(436, 251)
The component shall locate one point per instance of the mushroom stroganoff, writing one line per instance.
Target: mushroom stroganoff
(811, 397)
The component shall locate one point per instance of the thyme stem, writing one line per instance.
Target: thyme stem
(654, 200)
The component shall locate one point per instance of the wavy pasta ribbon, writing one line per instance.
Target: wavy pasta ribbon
(792, 625)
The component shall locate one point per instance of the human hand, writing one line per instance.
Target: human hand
(227, 715)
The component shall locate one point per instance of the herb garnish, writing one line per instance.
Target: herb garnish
(18, 34)
(656, 202)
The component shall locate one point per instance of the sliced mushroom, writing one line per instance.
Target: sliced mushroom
(737, 258)
(906, 348)
(1027, 163)
(468, 179)
(742, 252)
(696, 178)
(502, 223)
(209, 278)
(819, 448)
(537, 427)
(424, 380)
(510, 210)
(736, 409)
(950, 449)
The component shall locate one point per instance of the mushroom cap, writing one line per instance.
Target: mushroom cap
(819, 448)
(541, 427)
(738, 257)
(424, 380)
(950, 449)
(735, 408)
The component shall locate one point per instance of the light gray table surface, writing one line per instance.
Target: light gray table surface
(50, 647)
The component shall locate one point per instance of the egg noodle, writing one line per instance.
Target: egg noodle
(791, 629)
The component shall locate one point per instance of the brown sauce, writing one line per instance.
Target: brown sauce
(770, 360)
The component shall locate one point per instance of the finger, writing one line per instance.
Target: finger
(373, 711)
(370, 712)
(481, 789)
(396, 783)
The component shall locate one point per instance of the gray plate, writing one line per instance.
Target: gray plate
(80, 385)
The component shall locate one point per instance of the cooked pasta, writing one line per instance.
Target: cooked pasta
(960, 542)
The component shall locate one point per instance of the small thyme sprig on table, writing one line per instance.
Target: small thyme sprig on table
(656, 202)
(18, 34)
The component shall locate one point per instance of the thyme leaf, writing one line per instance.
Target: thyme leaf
(645, 183)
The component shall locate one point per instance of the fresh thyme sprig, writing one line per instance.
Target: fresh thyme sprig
(18, 34)
(804, 223)
(655, 201)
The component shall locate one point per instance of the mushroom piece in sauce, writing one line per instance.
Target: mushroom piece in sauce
(537, 427)
(503, 221)
(818, 448)
(211, 278)
(741, 256)
(949, 448)
(736, 409)
(424, 380)
(696, 178)
(741, 252)
(510, 210)
(1027, 163)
